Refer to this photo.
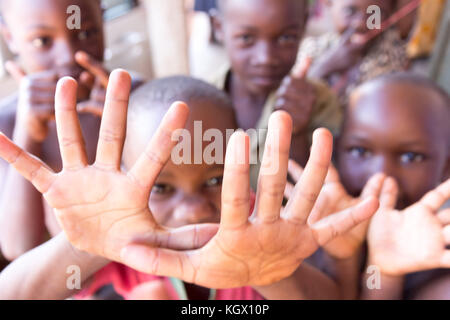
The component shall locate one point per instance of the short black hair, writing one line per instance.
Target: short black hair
(161, 93)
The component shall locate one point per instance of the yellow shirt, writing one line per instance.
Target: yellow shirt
(327, 113)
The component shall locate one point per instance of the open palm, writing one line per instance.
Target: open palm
(99, 207)
(414, 239)
(268, 246)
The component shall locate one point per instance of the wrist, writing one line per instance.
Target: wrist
(82, 258)
(388, 273)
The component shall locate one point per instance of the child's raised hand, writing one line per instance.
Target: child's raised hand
(36, 101)
(411, 240)
(297, 97)
(100, 207)
(334, 198)
(270, 244)
(346, 55)
(96, 79)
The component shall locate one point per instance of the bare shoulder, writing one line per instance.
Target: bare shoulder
(8, 108)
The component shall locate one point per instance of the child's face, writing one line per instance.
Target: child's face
(262, 39)
(353, 13)
(37, 31)
(187, 193)
(401, 130)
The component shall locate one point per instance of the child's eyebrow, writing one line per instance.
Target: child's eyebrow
(40, 26)
(254, 29)
(216, 166)
(413, 143)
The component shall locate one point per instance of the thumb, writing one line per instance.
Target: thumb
(15, 71)
(389, 194)
(374, 186)
(300, 70)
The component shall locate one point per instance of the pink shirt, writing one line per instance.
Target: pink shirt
(125, 279)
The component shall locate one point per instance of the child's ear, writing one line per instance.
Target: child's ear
(217, 25)
(7, 36)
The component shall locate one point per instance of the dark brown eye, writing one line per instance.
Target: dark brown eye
(246, 39)
(86, 34)
(214, 182)
(412, 157)
(41, 42)
(162, 189)
(288, 39)
(359, 152)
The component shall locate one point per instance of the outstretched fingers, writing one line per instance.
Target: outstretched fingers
(114, 121)
(311, 181)
(338, 224)
(70, 136)
(236, 183)
(31, 168)
(389, 194)
(273, 172)
(158, 151)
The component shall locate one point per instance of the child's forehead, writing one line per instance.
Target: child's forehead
(398, 107)
(266, 10)
(204, 114)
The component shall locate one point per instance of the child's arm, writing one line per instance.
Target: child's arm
(408, 241)
(22, 223)
(43, 272)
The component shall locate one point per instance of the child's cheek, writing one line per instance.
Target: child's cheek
(161, 210)
(354, 175)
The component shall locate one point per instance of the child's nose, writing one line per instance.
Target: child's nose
(265, 54)
(65, 54)
(386, 166)
(195, 209)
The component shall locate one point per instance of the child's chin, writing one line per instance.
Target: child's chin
(265, 86)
